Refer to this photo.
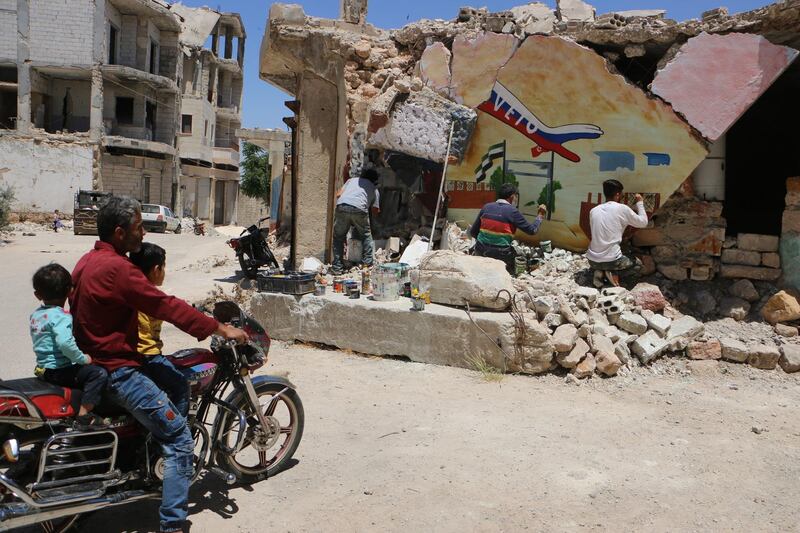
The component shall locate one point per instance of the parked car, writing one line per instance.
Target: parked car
(159, 218)
(87, 205)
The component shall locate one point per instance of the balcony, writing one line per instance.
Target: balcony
(124, 75)
(228, 113)
(226, 153)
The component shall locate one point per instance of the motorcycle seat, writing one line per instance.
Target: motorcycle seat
(32, 387)
(52, 400)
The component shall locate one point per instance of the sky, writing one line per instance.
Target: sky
(263, 104)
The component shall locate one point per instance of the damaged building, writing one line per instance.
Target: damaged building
(92, 96)
(696, 116)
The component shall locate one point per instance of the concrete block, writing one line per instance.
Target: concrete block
(749, 272)
(439, 335)
(686, 327)
(659, 323)
(734, 350)
(632, 323)
(771, 260)
(764, 356)
(745, 65)
(587, 293)
(741, 257)
(790, 358)
(758, 243)
(649, 346)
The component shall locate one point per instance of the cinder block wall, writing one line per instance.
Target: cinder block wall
(250, 210)
(62, 31)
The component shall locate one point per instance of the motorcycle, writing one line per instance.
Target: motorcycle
(252, 250)
(246, 428)
(199, 227)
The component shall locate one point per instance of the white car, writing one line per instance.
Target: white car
(159, 219)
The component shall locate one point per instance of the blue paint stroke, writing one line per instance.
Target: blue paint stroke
(611, 161)
(658, 160)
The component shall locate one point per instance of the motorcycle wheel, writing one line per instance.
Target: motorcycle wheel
(62, 525)
(178, 230)
(248, 271)
(252, 464)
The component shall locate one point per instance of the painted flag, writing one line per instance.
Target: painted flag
(496, 151)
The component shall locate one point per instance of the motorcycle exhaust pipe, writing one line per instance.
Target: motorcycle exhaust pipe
(24, 515)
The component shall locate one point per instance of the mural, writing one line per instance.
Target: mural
(560, 124)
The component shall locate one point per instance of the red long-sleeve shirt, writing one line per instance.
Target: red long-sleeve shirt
(109, 293)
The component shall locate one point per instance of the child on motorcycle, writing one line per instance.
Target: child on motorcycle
(151, 259)
(58, 359)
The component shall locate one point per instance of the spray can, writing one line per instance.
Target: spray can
(366, 281)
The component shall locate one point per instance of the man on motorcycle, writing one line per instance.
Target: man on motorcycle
(109, 293)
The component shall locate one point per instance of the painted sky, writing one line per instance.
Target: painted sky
(263, 104)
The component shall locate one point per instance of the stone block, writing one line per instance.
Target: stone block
(417, 336)
(734, 350)
(786, 331)
(607, 363)
(782, 307)
(574, 356)
(705, 350)
(791, 221)
(632, 323)
(790, 358)
(601, 343)
(565, 337)
(712, 104)
(701, 273)
(673, 272)
(741, 257)
(758, 243)
(745, 290)
(587, 293)
(686, 327)
(771, 260)
(648, 296)
(733, 307)
(585, 368)
(659, 323)
(456, 279)
(649, 346)
(763, 356)
(749, 272)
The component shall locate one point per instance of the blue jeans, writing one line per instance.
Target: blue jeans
(345, 217)
(133, 390)
(170, 380)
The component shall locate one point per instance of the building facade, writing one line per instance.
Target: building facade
(91, 93)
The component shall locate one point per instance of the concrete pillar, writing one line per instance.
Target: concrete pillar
(353, 11)
(96, 129)
(316, 165)
(99, 54)
(215, 42)
(142, 45)
(228, 42)
(24, 68)
(240, 53)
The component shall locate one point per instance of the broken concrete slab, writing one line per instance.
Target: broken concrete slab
(534, 18)
(649, 346)
(574, 356)
(744, 67)
(196, 24)
(608, 363)
(384, 329)
(457, 279)
(575, 10)
(585, 369)
(632, 323)
(434, 68)
(420, 126)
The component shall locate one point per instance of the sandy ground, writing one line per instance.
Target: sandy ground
(397, 446)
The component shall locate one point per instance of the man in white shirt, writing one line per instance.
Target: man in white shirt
(353, 204)
(608, 222)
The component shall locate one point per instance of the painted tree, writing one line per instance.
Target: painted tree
(498, 178)
(256, 172)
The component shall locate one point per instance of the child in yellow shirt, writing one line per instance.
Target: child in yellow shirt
(152, 261)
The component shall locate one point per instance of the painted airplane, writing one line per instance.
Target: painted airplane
(506, 108)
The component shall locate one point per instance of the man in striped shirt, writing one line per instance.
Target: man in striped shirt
(496, 224)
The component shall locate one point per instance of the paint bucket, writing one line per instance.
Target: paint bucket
(385, 285)
(320, 289)
(418, 304)
(547, 246)
(355, 294)
(520, 265)
(338, 285)
(401, 270)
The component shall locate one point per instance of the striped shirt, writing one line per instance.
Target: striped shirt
(498, 221)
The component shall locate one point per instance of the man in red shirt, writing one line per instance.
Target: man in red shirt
(109, 293)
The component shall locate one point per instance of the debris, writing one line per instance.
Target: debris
(608, 363)
(704, 350)
(782, 307)
(585, 368)
(763, 356)
(734, 350)
(790, 358)
(456, 279)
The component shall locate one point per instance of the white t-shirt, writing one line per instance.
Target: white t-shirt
(608, 222)
(361, 194)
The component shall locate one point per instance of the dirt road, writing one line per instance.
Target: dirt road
(397, 446)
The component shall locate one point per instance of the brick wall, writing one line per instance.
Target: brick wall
(250, 210)
(8, 29)
(123, 175)
(62, 31)
(127, 41)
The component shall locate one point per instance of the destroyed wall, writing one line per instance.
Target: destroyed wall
(46, 175)
(566, 130)
(147, 179)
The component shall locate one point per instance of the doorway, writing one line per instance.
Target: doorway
(219, 203)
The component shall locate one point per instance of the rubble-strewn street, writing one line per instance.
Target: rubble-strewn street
(392, 445)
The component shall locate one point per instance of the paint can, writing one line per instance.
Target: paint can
(385, 285)
(320, 289)
(547, 246)
(520, 265)
(418, 304)
(355, 294)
